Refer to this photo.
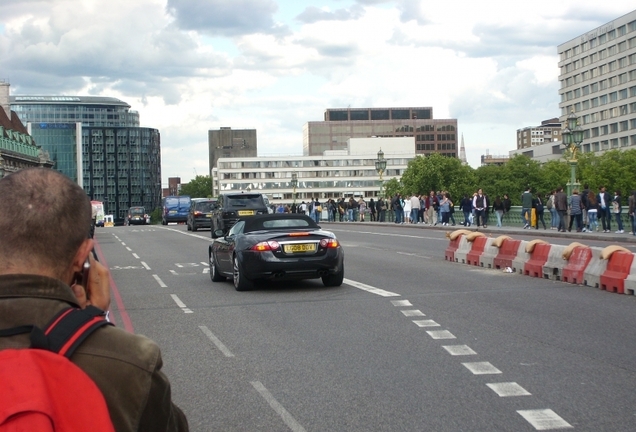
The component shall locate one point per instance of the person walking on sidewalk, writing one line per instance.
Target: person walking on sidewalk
(526, 207)
(592, 211)
(603, 199)
(538, 207)
(617, 209)
(576, 211)
(498, 209)
(554, 216)
(480, 204)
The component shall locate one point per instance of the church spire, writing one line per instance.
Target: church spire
(462, 152)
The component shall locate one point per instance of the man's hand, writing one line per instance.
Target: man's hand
(98, 291)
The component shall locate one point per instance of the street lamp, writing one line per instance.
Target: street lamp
(380, 166)
(572, 138)
(2, 170)
(294, 183)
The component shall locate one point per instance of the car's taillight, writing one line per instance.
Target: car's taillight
(298, 234)
(198, 214)
(329, 243)
(266, 246)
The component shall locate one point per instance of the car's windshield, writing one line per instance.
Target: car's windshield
(246, 201)
(137, 211)
(206, 206)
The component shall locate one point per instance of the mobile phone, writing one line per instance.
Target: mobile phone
(82, 278)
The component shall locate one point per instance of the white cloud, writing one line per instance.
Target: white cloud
(189, 66)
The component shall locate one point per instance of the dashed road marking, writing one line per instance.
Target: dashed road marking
(412, 313)
(159, 281)
(129, 249)
(206, 331)
(145, 265)
(278, 408)
(426, 323)
(481, 368)
(544, 419)
(441, 334)
(399, 303)
(509, 389)
(135, 255)
(369, 288)
(459, 350)
(181, 304)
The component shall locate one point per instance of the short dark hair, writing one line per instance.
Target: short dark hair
(44, 218)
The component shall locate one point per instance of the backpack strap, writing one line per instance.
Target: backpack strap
(65, 332)
(69, 328)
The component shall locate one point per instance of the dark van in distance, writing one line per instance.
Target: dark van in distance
(137, 216)
(175, 209)
(200, 215)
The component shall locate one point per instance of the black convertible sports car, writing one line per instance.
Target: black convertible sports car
(276, 246)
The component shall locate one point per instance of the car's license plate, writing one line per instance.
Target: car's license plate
(208, 216)
(172, 211)
(246, 212)
(303, 247)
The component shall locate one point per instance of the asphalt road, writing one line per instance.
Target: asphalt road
(410, 342)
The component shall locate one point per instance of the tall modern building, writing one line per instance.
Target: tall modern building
(598, 84)
(97, 141)
(227, 142)
(18, 149)
(340, 124)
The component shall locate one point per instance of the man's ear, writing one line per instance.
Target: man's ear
(82, 254)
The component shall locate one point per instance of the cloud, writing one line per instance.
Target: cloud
(226, 18)
(313, 14)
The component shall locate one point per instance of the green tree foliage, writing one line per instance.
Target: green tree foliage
(391, 187)
(437, 172)
(198, 187)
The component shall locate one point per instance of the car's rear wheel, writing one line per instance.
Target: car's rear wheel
(194, 226)
(335, 279)
(214, 271)
(240, 282)
(188, 226)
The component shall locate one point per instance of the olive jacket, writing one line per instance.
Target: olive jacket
(126, 367)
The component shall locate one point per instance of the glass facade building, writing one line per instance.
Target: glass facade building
(97, 142)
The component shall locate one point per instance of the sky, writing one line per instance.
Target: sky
(189, 66)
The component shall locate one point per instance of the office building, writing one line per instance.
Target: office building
(598, 84)
(18, 150)
(349, 172)
(430, 135)
(228, 143)
(548, 132)
(97, 141)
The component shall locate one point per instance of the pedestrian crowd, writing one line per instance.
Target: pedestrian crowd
(582, 209)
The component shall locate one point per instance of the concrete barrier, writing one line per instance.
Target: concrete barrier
(465, 246)
(521, 258)
(487, 258)
(479, 245)
(618, 268)
(538, 257)
(630, 281)
(574, 270)
(554, 263)
(594, 270)
(506, 254)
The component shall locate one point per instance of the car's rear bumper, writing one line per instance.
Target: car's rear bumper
(264, 265)
(202, 222)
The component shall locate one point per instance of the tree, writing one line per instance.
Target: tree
(437, 172)
(198, 187)
(391, 187)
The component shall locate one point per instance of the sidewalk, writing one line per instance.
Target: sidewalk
(495, 231)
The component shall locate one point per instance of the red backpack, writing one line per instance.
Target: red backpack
(41, 389)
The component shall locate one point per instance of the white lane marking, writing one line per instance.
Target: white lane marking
(509, 389)
(481, 368)
(181, 304)
(370, 289)
(159, 281)
(441, 334)
(544, 419)
(204, 263)
(459, 350)
(136, 256)
(390, 234)
(278, 408)
(123, 244)
(413, 312)
(426, 323)
(208, 238)
(129, 249)
(174, 272)
(206, 271)
(145, 265)
(398, 303)
(216, 341)
(413, 255)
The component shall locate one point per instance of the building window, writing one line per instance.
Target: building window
(380, 115)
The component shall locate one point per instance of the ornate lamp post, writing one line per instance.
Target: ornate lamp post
(294, 183)
(380, 166)
(572, 139)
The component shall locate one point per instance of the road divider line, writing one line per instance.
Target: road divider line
(400, 303)
(508, 389)
(544, 419)
(425, 323)
(481, 368)
(369, 288)
(136, 256)
(205, 263)
(413, 312)
(145, 265)
(441, 334)
(278, 408)
(129, 249)
(459, 350)
(159, 281)
(181, 304)
(206, 331)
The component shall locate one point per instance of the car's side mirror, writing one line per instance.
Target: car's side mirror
(219, 233)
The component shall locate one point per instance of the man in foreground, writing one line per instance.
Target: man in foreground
(45, 219)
